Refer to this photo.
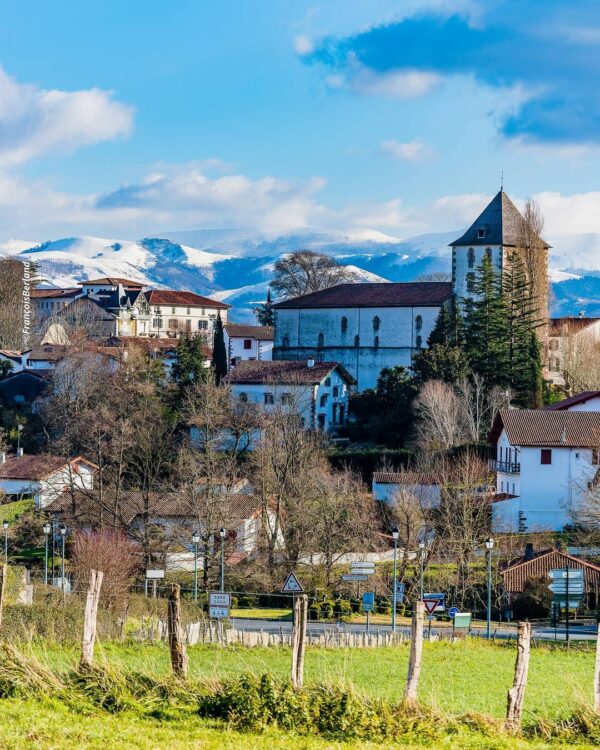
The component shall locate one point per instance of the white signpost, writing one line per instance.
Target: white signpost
(218, 605)
(356, 577)
(366, 568)
(154, 576)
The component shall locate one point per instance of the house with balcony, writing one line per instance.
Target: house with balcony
(545, 461)
(175, 313)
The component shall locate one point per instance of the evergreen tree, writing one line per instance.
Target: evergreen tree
(441, 362)
(189, 367)
(536, 383)
(265, 313)
(219, 356)
(449, 327)
(486, 326)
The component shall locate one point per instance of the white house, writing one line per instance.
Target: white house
(43, 477)
(318, 391)
(364, 327)
(387, 486)
(49, 301)
(12, 358)
(248, 342)
(174, 313)
(545, 461)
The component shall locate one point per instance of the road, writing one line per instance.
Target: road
(540, 632)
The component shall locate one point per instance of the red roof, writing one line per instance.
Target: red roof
(565, 326)
(114, 281)
(37, 467)
(384, 294)
(542, 563)
(53, 293)
(260, 333)
(560, 429)
(284, 372)
(578, 398)
(173, 297)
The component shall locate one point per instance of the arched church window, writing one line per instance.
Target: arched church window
(376, 323)
(376, 342)
(419, 342)
(470, 282)
(418, 322)
(471, 257)
(344, 324)
(488, 252)
(321, 340)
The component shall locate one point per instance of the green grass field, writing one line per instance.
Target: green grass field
(470, 676)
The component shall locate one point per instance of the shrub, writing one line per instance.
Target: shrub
(342, 608)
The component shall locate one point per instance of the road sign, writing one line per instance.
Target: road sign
(362, 566)
(430, 605)
(218, 613)
(355, 577)
(572, 604)
(155, 574)
(368, 601)
(560, 587)
(570, 573)
(440, 598)
(453, 611)
(292, 585)
(462, 620)
(219, 599)
(400, 589)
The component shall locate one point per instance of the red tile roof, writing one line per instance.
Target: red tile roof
(384, 294)
(48, 353)
(53, 293)
(284, 372)
(260, 333)
(522, 570)
(578, 398)
(37, 467)
(114, 281)
(560, 429)
(173, 297)
(403, 477)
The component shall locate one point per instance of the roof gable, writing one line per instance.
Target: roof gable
(578, 398)
(286, 372)
(500, 223)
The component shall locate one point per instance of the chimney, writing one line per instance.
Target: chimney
(529, 553)
(581, 313)
(310, 363)
(19, 452)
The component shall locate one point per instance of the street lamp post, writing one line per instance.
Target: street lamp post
(19, 431)
(489, 545)
(395, 536)
(421, 568)
(63, 532)
(5, 525)
(47, 530)
(195, 541)
(222, 533)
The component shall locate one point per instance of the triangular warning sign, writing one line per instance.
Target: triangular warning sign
(430, 605)
(292, 585)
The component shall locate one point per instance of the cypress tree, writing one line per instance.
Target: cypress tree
(219, 356)
(265, 313)
(189, 367)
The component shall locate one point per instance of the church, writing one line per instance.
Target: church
(366, 327)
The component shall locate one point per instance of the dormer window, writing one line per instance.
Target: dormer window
(481, 234)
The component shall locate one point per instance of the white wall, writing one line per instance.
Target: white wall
(426, 495)
(198, 320)
(460, 265)
(259, 350)
(397, 337)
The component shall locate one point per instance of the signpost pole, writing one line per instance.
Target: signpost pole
(567, 615)
(394, 594)
(368, 614)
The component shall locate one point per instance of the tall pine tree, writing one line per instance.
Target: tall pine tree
(219, 356)
(190, 366)
(265, 314)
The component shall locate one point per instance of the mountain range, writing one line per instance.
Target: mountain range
(235, 266)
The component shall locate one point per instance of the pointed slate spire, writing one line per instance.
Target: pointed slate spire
(500, 223)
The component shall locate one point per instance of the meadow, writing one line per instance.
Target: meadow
(468, 677)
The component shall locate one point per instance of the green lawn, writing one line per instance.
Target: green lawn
(12, 511)
(263, 614)
(456, 678)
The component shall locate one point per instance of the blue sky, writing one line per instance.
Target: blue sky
(125, 119)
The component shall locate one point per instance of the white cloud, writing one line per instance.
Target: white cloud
(303, 45)
(395, 84)
(34, 121)
(409, 151)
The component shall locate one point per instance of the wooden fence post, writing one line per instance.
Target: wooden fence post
(89, 618)
(516, 694)
(299, 638)
(597, 675)
(179, 661)
(3, 582)
(416, 652)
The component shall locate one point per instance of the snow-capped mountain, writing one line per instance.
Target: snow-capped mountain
(236, 265)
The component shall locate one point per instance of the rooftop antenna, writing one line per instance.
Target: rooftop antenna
(502, 181)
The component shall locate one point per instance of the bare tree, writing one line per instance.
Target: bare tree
(439, 412)
(12, 303)
(579, 360)
(306, 271)
(480, 405)
(535, 257)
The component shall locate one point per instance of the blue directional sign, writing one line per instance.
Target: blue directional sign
(453, 611)
(368, 601)
(400, 589)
